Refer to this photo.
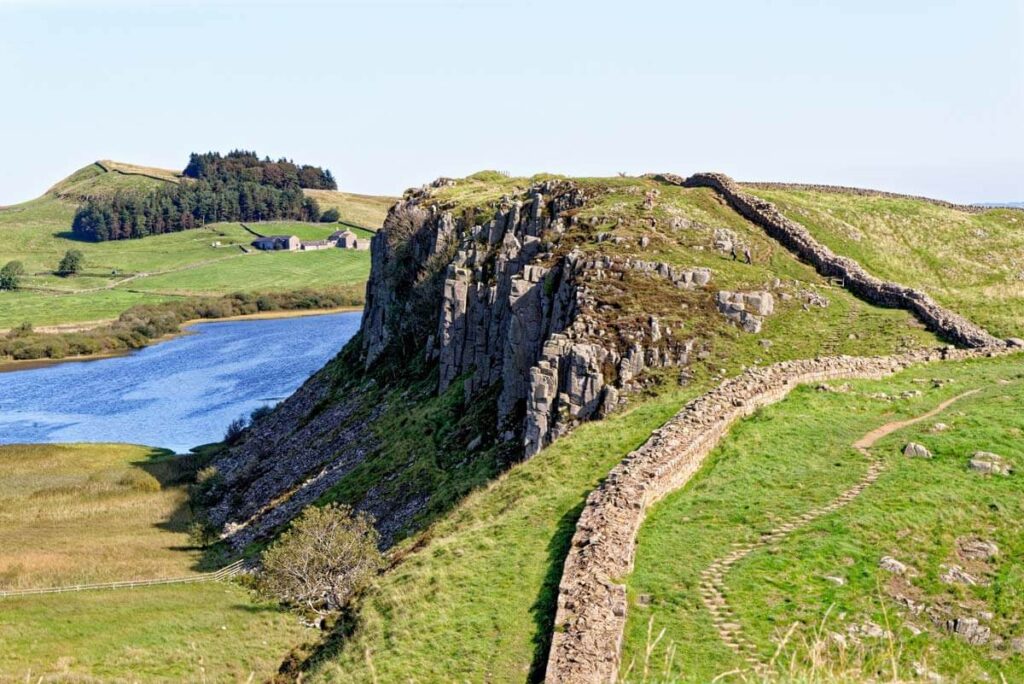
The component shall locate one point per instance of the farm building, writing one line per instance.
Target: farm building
(346, 239)
(308, 245)
(274, 242)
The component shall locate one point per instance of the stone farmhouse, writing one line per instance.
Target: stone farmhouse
(343, 239)
(275, 242)
(346, 239)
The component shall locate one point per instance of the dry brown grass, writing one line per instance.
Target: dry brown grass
(363, 210)
(80, 513)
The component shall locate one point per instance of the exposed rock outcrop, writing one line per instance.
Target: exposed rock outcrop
(515, 311)
(990, 464)
(746, 309)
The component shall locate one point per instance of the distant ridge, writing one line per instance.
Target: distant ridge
(866, 192)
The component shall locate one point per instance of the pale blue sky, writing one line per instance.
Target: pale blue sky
(915, 96)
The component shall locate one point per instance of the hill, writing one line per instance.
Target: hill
(118, 275)
(543, 359)
(505, 314)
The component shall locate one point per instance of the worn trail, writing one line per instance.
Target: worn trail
(712, 585)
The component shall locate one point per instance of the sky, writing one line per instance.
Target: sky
(916, 96)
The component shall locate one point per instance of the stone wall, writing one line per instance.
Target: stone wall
(591, 613)
(798, 239)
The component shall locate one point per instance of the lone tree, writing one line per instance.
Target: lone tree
(10, 275)
(72, 263)
(330, 216)
(325, 557)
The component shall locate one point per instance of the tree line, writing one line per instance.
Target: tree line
(238, 187)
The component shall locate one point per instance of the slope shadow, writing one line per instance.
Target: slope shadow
(546, 603)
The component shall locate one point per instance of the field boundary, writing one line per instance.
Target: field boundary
(356, 225)
(107, 166)
(225, 572)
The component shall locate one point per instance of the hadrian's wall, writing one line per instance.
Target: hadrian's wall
(950, 325)
(591, 614)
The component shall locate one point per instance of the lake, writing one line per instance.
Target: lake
(176, 394)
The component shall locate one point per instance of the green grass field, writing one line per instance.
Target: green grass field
(362, 210)
(119, 274)
(797, 455)
(209, 632)
(973, 263)
(80, 513)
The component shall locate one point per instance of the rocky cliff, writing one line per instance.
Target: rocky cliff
(499, 306)
(509, 307)
(502, 313)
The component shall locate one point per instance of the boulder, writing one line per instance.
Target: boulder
(970, 630)
(973, 548)
(915, 450)
(990, 464)
(892, 565)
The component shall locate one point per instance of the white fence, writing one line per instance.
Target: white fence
(223, 573)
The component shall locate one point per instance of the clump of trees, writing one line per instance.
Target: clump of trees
(236, 187)
(332, 215)
(72, 263)
(322, 561)
(11, 274)
(247, 166)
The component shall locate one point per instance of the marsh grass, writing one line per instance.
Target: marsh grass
(80, 513)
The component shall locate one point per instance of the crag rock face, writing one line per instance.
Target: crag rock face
(503, 308)
(508, 306)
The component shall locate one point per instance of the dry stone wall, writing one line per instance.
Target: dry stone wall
(591, 613)
(948, 324)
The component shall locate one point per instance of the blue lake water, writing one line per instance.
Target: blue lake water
(176, 394)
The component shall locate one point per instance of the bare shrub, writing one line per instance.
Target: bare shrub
(325, 557)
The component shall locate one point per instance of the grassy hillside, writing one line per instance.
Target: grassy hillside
(474, 600)
(971, 262)
(797, 455)
(362, 210)
(105, 178)
(119, 274)
(106, 512)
